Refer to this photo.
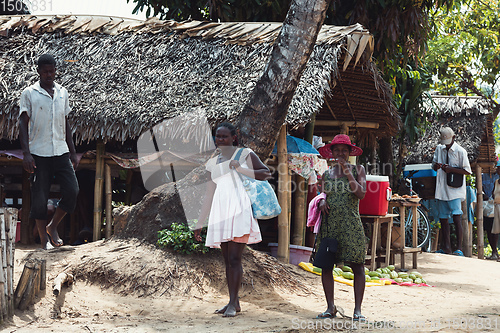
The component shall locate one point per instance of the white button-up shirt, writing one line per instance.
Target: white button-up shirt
(47, 119)
(457, 158)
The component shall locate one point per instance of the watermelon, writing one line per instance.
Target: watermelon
(347, 269)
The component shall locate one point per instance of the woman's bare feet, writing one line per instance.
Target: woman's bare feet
(230, 311)
(54, 236)
(224, 309)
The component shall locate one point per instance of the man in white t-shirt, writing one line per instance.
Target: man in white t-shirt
(452, 164)
(48, 149)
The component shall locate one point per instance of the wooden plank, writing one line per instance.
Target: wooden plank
(340, 123)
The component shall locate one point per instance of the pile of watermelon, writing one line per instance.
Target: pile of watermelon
(381, 273)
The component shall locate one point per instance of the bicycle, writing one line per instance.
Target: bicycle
(423, 223)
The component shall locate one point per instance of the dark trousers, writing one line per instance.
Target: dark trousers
(46, 169)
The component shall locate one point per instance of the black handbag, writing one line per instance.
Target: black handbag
(454, 179)
(325, 257)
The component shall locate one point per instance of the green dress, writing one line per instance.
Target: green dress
(343, 221)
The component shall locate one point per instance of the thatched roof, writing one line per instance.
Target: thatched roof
(472, 121)
(124, 76)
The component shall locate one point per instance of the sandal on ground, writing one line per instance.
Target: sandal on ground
(55, 244)
(492, 257)
(358, 317)
(459, 253)
(326, 314)
(440, 251)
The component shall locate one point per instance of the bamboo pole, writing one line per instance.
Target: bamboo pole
(109, 197)
(299, 221)
(479, 212)
(25, 216)
(283, 190)
(10, 225)
(364, 124)
(99, 165)
(3, 266)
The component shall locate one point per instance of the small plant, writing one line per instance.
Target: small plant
(180, 238)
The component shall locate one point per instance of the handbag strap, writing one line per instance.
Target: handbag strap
(238, 154)
(237, 158)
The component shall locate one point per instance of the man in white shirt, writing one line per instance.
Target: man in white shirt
(452, 164)
(48, 149)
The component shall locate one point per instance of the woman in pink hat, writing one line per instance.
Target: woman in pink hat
(344, 185)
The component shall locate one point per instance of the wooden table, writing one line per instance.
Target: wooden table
(377, 221)
(403, 205)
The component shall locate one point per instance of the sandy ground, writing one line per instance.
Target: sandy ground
(465, 298)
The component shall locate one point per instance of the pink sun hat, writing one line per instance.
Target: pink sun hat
(340, 139)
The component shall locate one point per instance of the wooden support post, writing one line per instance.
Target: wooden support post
(109, 197)
(99, 166)
(465, 229)
(479, 212)
(415, 234)
(283, 191)
(43, 274)
(309, 129)
(299, 221)
(10, 229)
(25, 216)
(344, 129)
(25, 286)
(128, 190)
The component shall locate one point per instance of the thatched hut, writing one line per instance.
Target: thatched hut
(472, 121)
(126, 76)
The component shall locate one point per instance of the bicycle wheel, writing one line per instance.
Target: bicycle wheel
(424, 229)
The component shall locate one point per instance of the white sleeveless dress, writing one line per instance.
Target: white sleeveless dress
(231, 211)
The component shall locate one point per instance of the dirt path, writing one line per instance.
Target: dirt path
(465, 298)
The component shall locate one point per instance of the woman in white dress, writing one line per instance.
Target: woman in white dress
(231, 224)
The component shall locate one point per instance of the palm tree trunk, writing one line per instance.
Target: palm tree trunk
(264, 114)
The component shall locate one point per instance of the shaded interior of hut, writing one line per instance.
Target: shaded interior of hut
(76, 228)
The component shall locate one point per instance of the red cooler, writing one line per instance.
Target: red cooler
(378, 194)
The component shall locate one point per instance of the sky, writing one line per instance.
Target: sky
(118, 8)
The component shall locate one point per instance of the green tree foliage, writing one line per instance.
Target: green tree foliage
(464, 55)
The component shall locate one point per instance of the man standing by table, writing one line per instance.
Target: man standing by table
(48, 149)
(452, 164)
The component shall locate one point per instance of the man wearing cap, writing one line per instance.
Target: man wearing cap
(452, 164)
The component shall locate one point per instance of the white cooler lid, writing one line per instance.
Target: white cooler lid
(375, 178)
(423, 166)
